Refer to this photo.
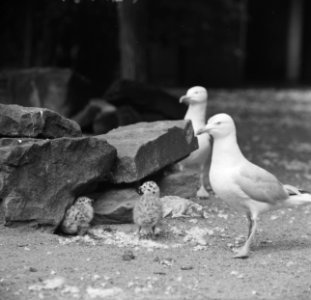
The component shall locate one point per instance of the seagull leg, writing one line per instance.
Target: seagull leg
(202, 192)
(243, 252)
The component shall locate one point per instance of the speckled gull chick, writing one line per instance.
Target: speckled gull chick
(147, 212)
(243, 184)
(196, 98)
(78, 217)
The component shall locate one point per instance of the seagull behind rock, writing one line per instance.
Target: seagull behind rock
(196, 98)
(147, 212)
(243, 184)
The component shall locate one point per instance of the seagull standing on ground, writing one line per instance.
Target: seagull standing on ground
(196, 98)
(242, 184)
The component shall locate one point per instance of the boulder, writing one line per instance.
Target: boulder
(39, 179)
(145, 148)
(33, 122)
(114, 205)
(151, 102)
(60, 90)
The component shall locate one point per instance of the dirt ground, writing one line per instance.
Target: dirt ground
(273, 131)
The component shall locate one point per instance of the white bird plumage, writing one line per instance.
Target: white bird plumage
(243, 184)
(196, 99)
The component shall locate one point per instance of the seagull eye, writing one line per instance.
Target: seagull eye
(218, 123)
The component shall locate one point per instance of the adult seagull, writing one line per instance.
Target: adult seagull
(196, 99)
(243, 184)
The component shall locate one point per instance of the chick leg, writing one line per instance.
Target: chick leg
(139, 232)
(202, 192)
(243, 252)
(82, 230)
(153, 232)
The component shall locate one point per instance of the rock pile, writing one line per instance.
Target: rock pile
(46, 162)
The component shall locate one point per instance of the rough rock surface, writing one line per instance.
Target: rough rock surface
(39, 179)
(115, 205)
(145, 148)
(33, 122)
(60, 90)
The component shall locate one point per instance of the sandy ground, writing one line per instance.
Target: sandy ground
(273, 132)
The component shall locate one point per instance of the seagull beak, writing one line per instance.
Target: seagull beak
(205, 129)
(185, 99)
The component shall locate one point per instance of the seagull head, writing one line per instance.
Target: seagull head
(149, 187)
(194, 95)
(218, 126)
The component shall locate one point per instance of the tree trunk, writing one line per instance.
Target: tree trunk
(132, 39)
(294, 42)
(28, 34)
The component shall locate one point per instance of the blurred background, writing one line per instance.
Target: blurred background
(176, 43)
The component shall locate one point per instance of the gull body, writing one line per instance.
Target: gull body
(242, 184)
(196, 99)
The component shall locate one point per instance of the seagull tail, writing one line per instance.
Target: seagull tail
(297, 196)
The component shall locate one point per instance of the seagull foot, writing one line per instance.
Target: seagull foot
(242, 252)
(202, 192)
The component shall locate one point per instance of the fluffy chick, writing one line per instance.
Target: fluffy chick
(78, 217)
(147, 211)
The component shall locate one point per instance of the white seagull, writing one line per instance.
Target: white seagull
(241, 183)
(196, 98)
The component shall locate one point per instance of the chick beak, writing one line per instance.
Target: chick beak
(205, 129)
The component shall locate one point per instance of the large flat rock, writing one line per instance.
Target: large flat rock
(39, 179)
(33, 122)
(145, 148)
(114, 205)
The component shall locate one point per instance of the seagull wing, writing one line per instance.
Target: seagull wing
(260, 185)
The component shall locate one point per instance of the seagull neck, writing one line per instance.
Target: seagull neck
(226, 150)
(197, 113)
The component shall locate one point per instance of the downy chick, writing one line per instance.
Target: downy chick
(147, 211)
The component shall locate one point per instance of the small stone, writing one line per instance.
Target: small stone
(32, 269)
(185, 268)
(128, 255)
(159, 273)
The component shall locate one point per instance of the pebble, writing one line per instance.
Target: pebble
(185, 268)
(32, 269)
(128, 255)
